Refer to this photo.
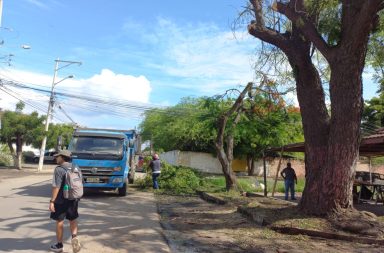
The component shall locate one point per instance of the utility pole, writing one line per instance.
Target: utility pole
(51, 104)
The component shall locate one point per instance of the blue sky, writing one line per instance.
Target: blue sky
(145, 52)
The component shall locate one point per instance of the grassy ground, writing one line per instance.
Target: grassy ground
(248, 184)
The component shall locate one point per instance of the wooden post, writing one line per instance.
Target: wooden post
(265, 175)
(277, 172)
(370, 169)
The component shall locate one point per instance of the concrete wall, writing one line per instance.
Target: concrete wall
(206, 162)
(201, 161)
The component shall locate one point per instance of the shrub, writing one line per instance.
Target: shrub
(179, 180)
(5, 156)
(174, 180)
(144, 182)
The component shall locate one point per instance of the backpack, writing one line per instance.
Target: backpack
(73, 183)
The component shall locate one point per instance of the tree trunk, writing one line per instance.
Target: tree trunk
(226, 156)
(226, 166)
(331, 145)
(19, 152)
(250, 165)
(315, 122)
(336, 178)
(13, 153)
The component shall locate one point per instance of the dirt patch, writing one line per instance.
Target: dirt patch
(194, 225)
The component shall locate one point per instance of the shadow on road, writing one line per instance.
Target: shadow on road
(107, 223)
(36, 218)
(41, 189)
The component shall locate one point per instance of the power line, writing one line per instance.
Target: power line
(93, 98)
(59, 106)
(25, 102)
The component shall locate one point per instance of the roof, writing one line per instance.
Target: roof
(113, 133)
(371, 145)
(100, 134)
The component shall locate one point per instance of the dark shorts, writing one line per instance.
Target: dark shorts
(67, 209)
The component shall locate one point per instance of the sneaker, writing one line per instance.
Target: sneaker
(58, 247)
(76, 246)
(293, 198)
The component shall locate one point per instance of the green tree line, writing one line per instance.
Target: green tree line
(19, 129)
(191, 125)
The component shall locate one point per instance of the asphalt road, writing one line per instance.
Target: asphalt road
(107, 223)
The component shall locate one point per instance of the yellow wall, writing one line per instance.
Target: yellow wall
(239, 165)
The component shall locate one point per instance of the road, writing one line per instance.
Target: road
(107, 223)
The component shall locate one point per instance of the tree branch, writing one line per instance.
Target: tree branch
(257, 28)
(222, 123)
(381, 6)
(305, 26)
(359, 19)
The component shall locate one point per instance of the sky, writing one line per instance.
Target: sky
(134, 55)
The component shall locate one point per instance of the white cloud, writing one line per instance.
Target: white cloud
(210, 58)
(201, 57)
(107, 86)
(117, 86)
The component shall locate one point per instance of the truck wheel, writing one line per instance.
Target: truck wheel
(123, 190)
(131, 176)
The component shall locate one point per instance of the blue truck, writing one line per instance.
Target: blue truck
(105, 157)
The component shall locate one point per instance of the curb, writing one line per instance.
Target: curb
(258, 219)
(209, 198)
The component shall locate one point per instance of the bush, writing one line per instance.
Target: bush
(179, 180)
(145, 182)
(173, 180)
(5, 156)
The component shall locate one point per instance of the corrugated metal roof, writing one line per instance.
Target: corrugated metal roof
(372, 145)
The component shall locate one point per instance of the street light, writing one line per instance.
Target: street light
(51, 104)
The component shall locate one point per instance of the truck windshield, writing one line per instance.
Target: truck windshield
(97, 146)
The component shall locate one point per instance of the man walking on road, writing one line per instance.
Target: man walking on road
(60, 207)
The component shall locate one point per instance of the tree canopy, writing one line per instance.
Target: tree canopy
(191, 125)
(19, 129)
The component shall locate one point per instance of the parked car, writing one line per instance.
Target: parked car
(48, 157)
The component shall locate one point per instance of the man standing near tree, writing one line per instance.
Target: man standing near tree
(290, 179)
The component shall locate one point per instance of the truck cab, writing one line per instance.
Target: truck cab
(105, 157)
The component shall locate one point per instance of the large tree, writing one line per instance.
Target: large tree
(373, 115)
(331, 139)
(266, 122)
(189, 125)
(19, 129)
